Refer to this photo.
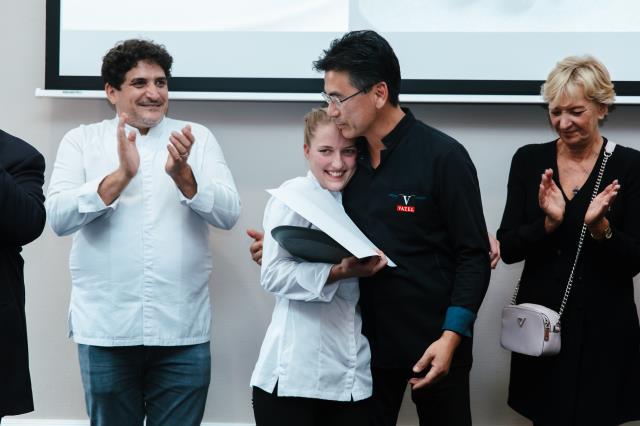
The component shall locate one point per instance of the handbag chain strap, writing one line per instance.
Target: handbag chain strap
(607, 153)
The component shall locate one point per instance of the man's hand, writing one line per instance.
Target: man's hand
(438, 357)
(353, 267)
(494, 251)
(127, 151)
(177, 168)
(112, 185)
(256, 246)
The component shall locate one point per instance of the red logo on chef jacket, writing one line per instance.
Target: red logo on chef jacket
(406, 202)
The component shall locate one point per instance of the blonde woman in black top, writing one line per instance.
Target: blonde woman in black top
(594, 378)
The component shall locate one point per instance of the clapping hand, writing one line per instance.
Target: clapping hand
(113, 184)
(127, 150)
(551, 201)
(179, 148)
(600, 205)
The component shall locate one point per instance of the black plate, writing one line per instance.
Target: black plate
(309, 244)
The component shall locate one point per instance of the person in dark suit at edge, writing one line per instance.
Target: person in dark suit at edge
(22, 218)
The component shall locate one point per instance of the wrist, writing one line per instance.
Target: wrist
(112, 185)
(335, 273)
(451, 337)
(121, 178)
(600, 230)
(185, 181)
(181, 173)
(551, 224)
(122, 175)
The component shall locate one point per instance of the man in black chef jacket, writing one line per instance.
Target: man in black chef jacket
(415, 194)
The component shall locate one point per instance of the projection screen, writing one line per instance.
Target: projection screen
(448, 49)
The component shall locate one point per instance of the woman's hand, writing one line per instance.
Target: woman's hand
(354, 267)
(594, 217)
(551, 201)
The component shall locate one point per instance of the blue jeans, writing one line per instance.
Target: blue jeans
(168, 384)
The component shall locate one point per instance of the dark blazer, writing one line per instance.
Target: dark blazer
(22, 218)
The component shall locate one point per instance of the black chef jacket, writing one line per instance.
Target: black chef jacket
(422, 207)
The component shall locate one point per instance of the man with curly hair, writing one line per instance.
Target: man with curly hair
(138, 192)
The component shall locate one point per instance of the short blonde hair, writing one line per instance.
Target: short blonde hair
(579, 71)
(312, 120)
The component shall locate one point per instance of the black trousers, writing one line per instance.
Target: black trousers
(269, 409)
(445, 403)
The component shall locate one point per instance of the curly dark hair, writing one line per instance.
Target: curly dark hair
(367, 57)
(126, 55)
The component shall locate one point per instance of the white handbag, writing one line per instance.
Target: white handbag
(531, 329)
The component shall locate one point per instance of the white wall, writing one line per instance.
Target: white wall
(263, 146)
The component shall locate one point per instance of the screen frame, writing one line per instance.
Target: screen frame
(424, 88)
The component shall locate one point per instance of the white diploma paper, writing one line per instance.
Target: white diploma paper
(320, 208)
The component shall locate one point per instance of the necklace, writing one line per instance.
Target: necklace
(575, 167)
(585, 175)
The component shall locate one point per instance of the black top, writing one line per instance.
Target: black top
(22, 218)
(422, 207)
(594, 379)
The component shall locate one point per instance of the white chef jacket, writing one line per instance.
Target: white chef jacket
(140, 267)
(314, 347)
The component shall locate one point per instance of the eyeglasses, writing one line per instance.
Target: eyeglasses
(337, 102)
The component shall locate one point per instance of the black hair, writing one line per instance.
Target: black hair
(367, 57)
(125, 56)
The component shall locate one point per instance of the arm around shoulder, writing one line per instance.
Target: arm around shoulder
(461, 210)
